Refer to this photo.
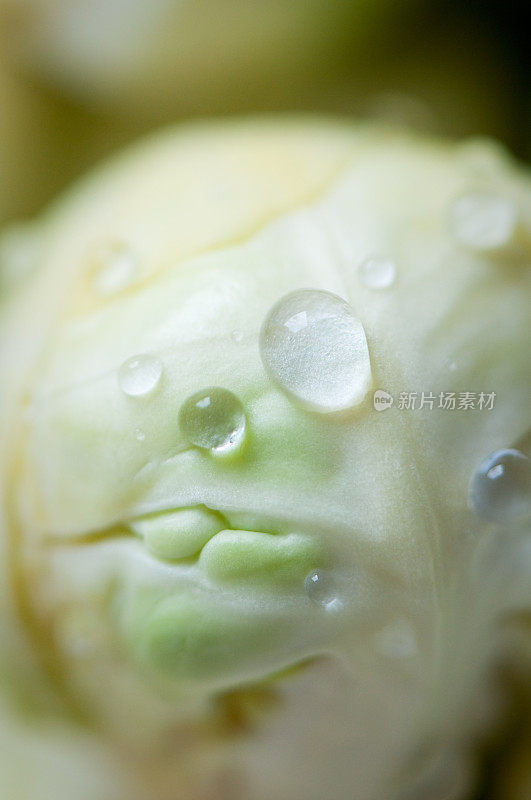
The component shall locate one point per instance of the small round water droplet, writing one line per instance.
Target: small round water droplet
(321, 589)
(237, 336)
(482, 156)
(213, 419)
(483, 221)
(139, 375)
(117, 266)
(377, 272)
(397, 640)
(501, 487)
(139, 435)
(314, 347)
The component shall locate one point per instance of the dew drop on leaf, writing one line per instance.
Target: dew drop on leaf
(501, 488)
(321, 589)
(117, 266)
(377, 272)
(483, 221)
(213, 419)
(315, 349)
(140, 375)
(397, 640)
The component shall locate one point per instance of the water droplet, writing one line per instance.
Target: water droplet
(397, 640)
(139, 435)
(139, 375)
(482, 156)
(117, 266)
(321, 589)
(314, 347)
(483, 221)
(213, 419)
(377, 272)
(237, 336)
(501, 487)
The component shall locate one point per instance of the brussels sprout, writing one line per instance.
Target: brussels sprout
(248, 547)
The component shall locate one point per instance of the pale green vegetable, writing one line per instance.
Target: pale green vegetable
(229, 565)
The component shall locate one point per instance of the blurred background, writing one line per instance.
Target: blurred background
(81, 78)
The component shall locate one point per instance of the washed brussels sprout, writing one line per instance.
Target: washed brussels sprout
(261, 397)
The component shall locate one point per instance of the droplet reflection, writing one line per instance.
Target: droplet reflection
(315, 349)
(213, 419)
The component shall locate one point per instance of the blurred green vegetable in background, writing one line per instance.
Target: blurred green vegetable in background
(97, 74)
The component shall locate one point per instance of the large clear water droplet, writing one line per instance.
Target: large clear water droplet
(140, 375)
(483, 221)
(377, 272)
(213, 419)
(501, 487)
(320, 587)
(314, 347)
(117, 267)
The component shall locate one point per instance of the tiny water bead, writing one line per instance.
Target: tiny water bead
(483, 221)
(117, 266)
(451, 365)
(397, 640)
(315, 349)
(501, 487)
(321, 589)
(213, 419)
(140, 375)
(377, 272)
